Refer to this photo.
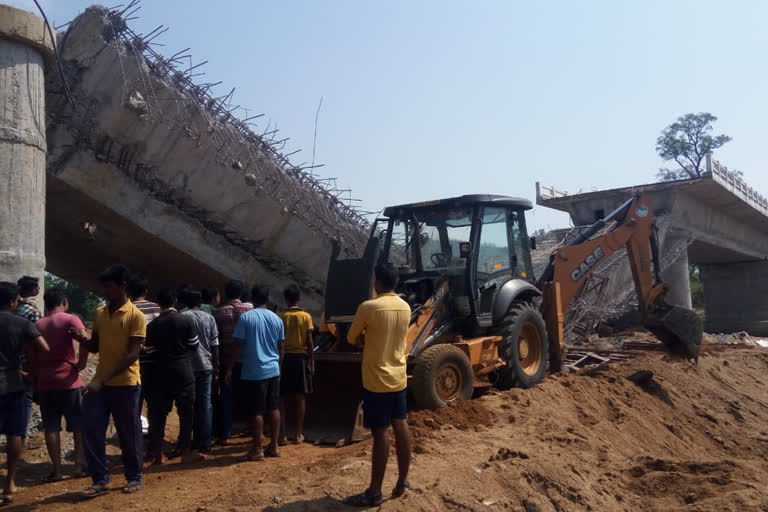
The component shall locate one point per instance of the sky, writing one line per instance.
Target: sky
(437, 98)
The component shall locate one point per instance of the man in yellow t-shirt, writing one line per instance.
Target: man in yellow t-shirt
(384, 321)
(118, 334)
(298, 364)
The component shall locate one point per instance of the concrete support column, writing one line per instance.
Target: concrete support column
(23, 49)
(736, 297)
(676, 276)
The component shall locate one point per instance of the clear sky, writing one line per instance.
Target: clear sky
(426, 99)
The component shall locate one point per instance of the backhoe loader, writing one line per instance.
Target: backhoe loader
(479, 317)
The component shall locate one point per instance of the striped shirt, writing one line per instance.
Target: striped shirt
(150, 309)
(28, 309)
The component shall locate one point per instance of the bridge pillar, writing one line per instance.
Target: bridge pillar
(736, 297)
(676, 276)
(23, 49)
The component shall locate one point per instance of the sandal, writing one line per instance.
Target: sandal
(271, 452)
(94, 491)
(253, 456)
(400, 489)
(132, 486)
(5, 499)
(364, 499)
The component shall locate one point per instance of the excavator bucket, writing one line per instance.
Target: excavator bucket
(334, 414)
(679, 328)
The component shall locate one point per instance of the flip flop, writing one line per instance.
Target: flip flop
(400, 489)
(5, 499)
(132, 487)
(94, 491)
(364, 499)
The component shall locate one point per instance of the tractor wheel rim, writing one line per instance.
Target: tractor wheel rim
(449, 382)
(529, 349)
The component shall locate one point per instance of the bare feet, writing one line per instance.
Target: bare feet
(159, 460)
(282, 441)
(298, 440)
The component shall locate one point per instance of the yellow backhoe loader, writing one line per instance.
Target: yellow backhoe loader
(479, 317)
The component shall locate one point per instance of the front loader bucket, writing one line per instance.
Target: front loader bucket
(679, 328)
(334, 414)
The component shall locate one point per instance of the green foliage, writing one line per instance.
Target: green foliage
(697, 288)
(81, 302)
(687, 141)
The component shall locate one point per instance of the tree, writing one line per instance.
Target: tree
(81, 302)
(687, 141)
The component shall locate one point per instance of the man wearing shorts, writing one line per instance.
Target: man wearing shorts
(259, 334)
(16, 334)
(298, 364)
(58, 380)
(384, 321)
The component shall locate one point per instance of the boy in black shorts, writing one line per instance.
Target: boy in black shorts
(16, 334)
(298, 364)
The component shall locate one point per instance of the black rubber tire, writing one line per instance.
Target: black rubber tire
(426, 371)
(513, 375)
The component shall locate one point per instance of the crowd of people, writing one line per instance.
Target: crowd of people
(189, 349)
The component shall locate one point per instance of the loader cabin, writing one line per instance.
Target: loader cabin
(475, 243)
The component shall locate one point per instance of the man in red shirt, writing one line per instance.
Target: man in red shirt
(58, 380)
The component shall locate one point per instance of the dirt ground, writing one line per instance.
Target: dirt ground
(590, 440)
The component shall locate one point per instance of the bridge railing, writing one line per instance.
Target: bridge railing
(736, 185)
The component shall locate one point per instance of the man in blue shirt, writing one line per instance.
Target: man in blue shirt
(259, 335)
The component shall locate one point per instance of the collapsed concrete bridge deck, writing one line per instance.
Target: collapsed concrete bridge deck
(147, 168)
(723, 226)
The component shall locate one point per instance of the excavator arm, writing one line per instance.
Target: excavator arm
(571, 266)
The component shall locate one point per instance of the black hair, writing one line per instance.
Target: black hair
(387, 276)
(53, 299)
(245, 296)
(138, 286)
(209, 294)
(27, 284)
(191, 298)
(166, 297)
(234, 289)
(118, 274)
(8, 292)
(259, 295)
(292, 295)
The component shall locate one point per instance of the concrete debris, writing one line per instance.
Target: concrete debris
(136, 103)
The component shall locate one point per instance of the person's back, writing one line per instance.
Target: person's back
(58, 368)
(171, 341)
(14, 332)
(261, 331)
(386, 325)
(207, 332)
